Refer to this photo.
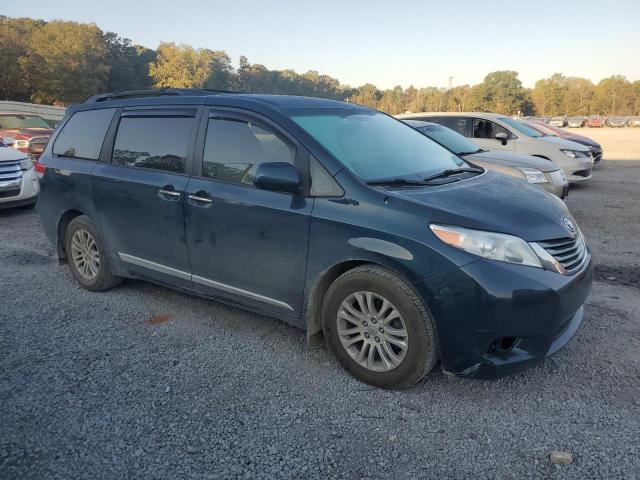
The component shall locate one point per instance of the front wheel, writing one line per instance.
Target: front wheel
(87, 256)
(379, 328)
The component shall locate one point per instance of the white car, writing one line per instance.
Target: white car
(491, 131)
(19, 185)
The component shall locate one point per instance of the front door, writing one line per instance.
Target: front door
(246, 244)
(140, 195)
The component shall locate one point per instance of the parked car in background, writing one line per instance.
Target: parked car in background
(594, 147)
(30, 132)
(491, 131)
(542, 173)
(595, 121)
(18, 182)
(576, 122)
(633, 122)
(558, 121)
(616, 122)
(331, 216)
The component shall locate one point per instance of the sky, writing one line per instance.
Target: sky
(387, 43)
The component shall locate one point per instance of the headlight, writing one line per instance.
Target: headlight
(495, 246)
(21, 144)
(26, 164)
(533, 176)
(575, 153)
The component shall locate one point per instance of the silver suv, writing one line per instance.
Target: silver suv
(491, 131)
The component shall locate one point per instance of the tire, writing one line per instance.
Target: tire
(341, 328)
(96, 276)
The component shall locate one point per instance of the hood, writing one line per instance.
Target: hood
(564, 143)
(496, 203)
(8, 154)
(509, 159)
(31, 132)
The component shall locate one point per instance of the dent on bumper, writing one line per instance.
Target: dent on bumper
(486, 302)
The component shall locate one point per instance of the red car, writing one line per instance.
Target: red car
(30, 132)
(594, 147)
(595, 121)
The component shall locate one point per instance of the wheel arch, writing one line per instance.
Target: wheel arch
(63, 223)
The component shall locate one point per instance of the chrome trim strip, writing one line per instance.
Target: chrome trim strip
(141, 262)
(239, 291)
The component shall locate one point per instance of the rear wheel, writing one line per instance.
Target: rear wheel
(87, 257)
(379, 328)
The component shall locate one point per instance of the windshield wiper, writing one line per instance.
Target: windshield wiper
(452, 171)
(471, 153)
(397, 182)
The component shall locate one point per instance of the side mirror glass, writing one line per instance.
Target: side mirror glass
(277, 176)
(502, 137)
(9, 141)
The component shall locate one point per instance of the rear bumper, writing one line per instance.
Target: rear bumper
(496, 319)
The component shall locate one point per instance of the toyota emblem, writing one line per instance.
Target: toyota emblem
(569, 224)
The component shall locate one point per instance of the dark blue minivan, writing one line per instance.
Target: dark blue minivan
(331, 216)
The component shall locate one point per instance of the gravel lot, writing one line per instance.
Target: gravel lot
(144, 382)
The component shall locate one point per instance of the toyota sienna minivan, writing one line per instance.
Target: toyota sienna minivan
(330, 216)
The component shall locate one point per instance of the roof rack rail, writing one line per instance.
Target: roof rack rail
(154, 92)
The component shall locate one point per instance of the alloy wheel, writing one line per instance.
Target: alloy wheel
(372, 331)
(84, 254)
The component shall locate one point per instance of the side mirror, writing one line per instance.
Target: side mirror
(277, 176)
(502, 137)
(9, 141)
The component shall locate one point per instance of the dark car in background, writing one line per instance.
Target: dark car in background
(328, 215)
(30, 132)
(594, 147)
(545, 174)
(595, 121)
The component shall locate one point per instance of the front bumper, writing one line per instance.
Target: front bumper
(23, 191)
(496, 319)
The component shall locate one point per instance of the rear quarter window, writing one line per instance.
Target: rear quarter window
(83, 134)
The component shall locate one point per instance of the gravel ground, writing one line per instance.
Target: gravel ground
(144, 382)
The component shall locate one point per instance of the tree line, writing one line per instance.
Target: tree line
(63, 62)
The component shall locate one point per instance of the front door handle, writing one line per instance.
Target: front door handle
(200, 199)
(169, 194)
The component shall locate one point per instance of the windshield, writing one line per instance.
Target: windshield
(520, 127)
(375, 146)
(450, 139)
(543, 129)
(15, 122)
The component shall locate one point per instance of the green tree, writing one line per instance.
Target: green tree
(181, 66)
(367, 95)
(69, 59)
(549, 95)
(128, 64)
(502, 92)
(614, 96)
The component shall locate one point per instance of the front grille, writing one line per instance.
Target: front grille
(583, 173)
(38, 144)
(571, 253)
(10, 171)
(9, 193)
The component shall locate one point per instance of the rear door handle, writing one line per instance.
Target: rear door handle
(169, 194)
(200, 199)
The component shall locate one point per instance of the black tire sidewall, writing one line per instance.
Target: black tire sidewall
(421, 353)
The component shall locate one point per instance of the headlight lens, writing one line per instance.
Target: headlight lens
(26, 164)
(575, 153)
(495, 246)
(533, 176)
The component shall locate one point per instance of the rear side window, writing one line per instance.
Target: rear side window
(457, 124)
(158, 143)
(234, 148)
(83, 134)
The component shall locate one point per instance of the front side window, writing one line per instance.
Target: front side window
(234, 148)
(450, 139)
(83, 135)
(373, 145)
(487, 129)
(457, 124)
(158, 143)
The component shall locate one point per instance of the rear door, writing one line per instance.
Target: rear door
(140, 195)
(484, 135)
(246, 244)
